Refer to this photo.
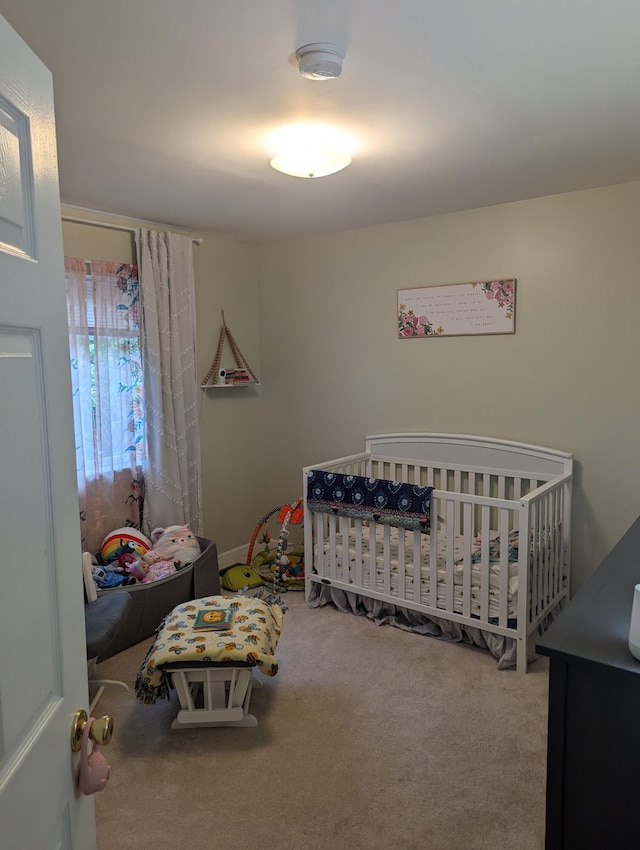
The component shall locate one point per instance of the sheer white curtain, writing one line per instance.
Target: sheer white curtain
(173, 492)
(103, 302)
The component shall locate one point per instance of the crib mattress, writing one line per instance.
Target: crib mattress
(458, 572)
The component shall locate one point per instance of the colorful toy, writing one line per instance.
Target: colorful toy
(284, 571)
(175, 543)
(158, 570)
(238, 577)
(122, 545)
(137, 568)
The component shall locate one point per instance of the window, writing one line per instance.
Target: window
(103, 308)
(103, 301)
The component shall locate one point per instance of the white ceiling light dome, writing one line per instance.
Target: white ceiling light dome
(311, 150)
(310, 162)
(320, 61)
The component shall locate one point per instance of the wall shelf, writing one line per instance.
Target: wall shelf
(242, 366)
(230, 386)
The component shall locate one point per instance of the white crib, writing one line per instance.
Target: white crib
(464, 577)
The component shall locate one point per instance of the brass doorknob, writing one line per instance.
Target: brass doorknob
(101, 730)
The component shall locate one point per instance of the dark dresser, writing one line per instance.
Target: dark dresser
(593, 759)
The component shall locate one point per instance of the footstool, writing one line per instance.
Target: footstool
(212, 672)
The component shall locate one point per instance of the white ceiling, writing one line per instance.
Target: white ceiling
(165, 107)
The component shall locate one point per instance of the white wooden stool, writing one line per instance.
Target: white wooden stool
(213, 696)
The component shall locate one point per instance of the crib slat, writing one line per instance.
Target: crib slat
(552, 541)
(344, 561)
(549, 546)
(386, 558)
(332, 565)
(466, 558)
(373, 555)
(319, 526)
(449, 556)
(533, 581)
(484, 563)
(539, 554)
(432, 569)
(544, 555)
(417, 581)
(402, 571)
(357, 569)
(557, 540)
(458, 516)
(537, 571)
(542, 547)
(503, 591)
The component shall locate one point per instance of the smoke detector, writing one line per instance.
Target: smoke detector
(320, 61)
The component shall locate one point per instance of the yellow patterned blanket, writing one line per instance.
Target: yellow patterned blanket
(251, 638)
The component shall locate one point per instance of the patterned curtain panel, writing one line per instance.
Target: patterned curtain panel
(103, 306)
(173, 493)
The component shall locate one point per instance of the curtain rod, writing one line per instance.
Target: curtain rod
(196, 239)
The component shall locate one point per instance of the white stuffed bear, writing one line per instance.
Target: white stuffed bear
(175, 543)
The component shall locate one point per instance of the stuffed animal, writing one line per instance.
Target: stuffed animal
(175, 543)
(158, 570)
(122, 546)
(240, 576)
(137, 568)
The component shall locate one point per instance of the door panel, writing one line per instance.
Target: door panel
(43, 673)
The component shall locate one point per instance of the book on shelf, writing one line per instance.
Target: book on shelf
(237, 376)
(213, 619)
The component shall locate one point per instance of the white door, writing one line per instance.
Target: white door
(42, 646)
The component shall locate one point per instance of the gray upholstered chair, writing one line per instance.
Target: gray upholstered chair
(104, 616)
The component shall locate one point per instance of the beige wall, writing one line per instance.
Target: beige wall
(315, 317)
(226, 279)
(230, 419)
(334, 370)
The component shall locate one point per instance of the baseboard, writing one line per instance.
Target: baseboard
(233, 556)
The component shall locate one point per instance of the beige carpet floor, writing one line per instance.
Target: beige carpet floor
(368, 737)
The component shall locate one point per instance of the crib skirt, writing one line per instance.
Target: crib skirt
(385, 613)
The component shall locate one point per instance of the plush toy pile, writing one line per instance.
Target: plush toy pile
(120, 554)
(128, 556)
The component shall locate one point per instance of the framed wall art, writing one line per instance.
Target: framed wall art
(457, 309)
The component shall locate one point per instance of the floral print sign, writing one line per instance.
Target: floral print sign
(457, 309)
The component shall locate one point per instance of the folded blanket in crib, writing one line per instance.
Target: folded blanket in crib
(252, 637)
(391, 502)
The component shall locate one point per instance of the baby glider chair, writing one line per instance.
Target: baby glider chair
(104, 617)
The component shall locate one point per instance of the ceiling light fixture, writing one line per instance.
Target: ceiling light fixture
(320, 61)
(310, 162)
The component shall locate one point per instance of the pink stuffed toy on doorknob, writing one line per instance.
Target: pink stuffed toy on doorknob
(94, 771)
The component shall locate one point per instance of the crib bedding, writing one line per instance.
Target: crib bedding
(495, 571)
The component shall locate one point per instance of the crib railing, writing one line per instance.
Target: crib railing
(390, 562)
(549, 511)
